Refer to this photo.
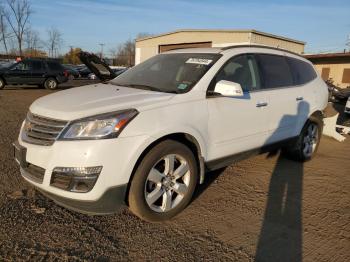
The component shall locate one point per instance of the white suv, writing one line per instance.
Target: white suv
(147, 137)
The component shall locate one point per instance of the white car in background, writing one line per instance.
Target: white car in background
(146, 138)
(347, 106)
(116, 69)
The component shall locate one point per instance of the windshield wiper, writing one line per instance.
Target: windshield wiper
(146, 87)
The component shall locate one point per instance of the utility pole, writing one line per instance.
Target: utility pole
(348, 42)
(101, 54)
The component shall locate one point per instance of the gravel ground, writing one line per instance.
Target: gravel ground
(265, 208)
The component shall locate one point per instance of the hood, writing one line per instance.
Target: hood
(95, 99)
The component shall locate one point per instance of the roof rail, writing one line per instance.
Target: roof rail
(260, 46)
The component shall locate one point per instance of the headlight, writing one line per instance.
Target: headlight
(98, 127)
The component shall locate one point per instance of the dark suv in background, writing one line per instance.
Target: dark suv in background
(44, 73)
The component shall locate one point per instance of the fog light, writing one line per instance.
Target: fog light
(75, 179)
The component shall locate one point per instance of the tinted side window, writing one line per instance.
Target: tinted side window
(54, 66)
(241, 69)
(275, 71)
(36, 65)
(302, 71)
(23, 66)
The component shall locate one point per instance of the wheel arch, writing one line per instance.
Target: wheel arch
(316, 116)
(187, 139)
(3, 79)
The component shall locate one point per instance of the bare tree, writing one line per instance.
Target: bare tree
(113, 52)
(32, 41)
(17, 17)
(124, 54)
(54, 41)
(4, 35)
(143, 35)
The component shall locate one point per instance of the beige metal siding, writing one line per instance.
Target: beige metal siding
(165, 48)
(275, 42)
(190, 37)
(151, 46)
(336, 72)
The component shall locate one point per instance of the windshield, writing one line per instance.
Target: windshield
(170, 73)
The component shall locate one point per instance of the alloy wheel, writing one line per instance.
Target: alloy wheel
(310, 140)
(167, 183)
(51, 84)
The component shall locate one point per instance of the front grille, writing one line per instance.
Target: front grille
(34, 173)
(41, 130)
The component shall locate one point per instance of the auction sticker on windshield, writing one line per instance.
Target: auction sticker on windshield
(199, 61)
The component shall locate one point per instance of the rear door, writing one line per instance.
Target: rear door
(284, 97)
(238, 124)
(38, 72)
(304, 75)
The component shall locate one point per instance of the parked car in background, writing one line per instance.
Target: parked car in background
(116, 70)
(46, 73)
(72, 72)
(337, 94)
(6, 63)
(146, 138)
(84, 71)
(347, 106)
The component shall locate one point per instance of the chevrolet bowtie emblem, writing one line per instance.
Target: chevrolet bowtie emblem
(28, 126)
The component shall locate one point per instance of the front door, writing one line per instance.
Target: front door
(238, 124)
(20, 73)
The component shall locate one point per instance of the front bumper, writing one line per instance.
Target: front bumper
(110, 202)
(117, 157)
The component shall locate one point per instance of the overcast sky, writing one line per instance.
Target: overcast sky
(324, 25)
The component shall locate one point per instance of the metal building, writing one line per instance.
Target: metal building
(150, 46)
(335, 66)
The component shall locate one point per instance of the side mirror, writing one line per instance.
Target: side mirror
(228, 88)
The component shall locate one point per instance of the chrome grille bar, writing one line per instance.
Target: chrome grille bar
(41, 130)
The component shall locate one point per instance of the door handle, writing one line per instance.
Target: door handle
(299, 98)
(261, 104)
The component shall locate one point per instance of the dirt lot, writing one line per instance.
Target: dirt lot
(265, 208)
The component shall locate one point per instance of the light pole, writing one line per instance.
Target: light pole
(101, 55)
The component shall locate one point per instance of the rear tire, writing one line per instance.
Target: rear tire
(306, 145)
(50, 83)
(164, 182)
(2, 83)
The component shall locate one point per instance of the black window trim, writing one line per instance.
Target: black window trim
(210, 93)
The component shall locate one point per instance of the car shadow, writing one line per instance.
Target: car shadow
(280, 237)
(210, 178)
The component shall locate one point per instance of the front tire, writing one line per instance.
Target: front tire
(306, 145)
(164, 182)
(51, 83)
(2, 83)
